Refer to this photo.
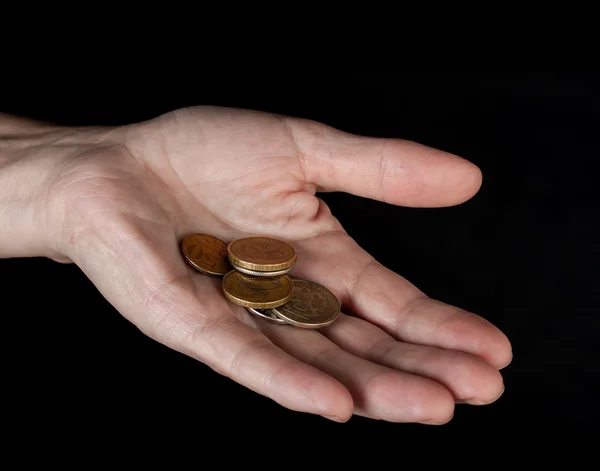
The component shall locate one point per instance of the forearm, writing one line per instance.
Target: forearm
(22, 180)
(29, 160)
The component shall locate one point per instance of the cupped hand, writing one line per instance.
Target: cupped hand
(120, 204)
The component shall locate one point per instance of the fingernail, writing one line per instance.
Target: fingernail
(477, 402)
(439, 423)
(334, 418)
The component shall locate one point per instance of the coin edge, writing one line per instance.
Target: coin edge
(247, 271)
(274, 319)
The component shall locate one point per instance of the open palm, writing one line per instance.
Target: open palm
(123, 204)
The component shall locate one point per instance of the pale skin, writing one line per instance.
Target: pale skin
(116, 201)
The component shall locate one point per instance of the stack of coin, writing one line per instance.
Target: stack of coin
(254, 271)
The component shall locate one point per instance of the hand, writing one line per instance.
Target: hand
(116, 201)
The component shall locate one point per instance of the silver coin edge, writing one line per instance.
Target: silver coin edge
(276, 320)
(245, 271)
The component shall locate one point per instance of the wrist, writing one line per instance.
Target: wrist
(31, 157)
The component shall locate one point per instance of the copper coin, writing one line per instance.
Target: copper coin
(265, 292)
(206, 254)
(261, 254)
(312, 306)
(266, 314)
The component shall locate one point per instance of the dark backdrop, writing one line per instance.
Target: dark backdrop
(523, 253)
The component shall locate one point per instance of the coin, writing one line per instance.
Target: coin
(263, 292)
(206, 254)
(262, 254)
(312, 306)
(266, 314)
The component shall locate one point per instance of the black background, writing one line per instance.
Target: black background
(523, 252)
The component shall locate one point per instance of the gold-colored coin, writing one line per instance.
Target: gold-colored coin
(311, 307)
(266, 314)
(265, 292)
(261, 254)
(206, 254)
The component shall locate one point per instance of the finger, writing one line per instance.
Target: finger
(467, 377)
(395, 171)
(145, 279)
(378, 392)
(245, 355)
(369, 290)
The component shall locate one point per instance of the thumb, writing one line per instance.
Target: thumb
(394, 171)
